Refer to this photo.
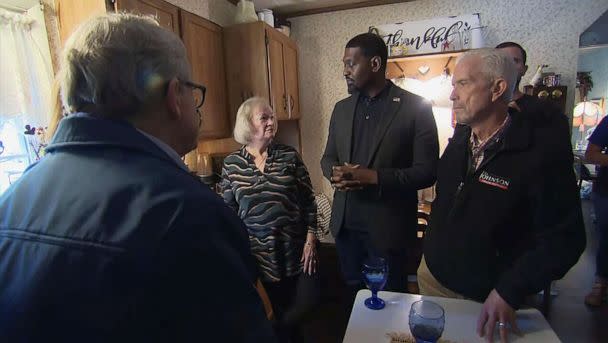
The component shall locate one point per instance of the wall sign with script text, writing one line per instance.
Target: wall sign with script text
(431, 35)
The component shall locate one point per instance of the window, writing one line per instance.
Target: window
(14, 158)
(24, 90)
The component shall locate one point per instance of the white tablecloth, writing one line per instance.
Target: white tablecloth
(371, 326)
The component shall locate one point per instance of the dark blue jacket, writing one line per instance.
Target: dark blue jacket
(108, 239)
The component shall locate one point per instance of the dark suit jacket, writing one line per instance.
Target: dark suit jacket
(405, 153)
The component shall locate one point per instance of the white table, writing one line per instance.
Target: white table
(371, 326)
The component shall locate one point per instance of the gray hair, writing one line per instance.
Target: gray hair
(113, 64)
(242, 124)
(495, 64)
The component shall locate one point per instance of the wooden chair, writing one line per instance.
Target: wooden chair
(414, 250)
(265, 300)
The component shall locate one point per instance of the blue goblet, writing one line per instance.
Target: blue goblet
(426, 320)
(375, 274)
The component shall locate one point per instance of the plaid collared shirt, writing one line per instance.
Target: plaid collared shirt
(478, 147)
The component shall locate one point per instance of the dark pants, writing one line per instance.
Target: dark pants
(293, 300)
(600, 204)
(354, 247)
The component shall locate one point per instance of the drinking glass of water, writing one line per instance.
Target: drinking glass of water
(375, 273)
(427, 320)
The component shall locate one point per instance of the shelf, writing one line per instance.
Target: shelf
(409, 66)
(444, 54)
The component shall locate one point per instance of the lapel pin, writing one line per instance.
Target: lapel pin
(396, 100)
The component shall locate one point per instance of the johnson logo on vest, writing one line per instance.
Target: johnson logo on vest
(493, 180)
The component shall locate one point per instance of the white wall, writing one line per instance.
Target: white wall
(548, 29)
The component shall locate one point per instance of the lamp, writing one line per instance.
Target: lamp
(585, 113)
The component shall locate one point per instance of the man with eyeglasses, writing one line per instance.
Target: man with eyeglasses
(109, 238)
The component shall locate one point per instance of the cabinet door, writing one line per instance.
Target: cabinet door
(246, 64)
(290, 70)
(165, 13)
(203, 41)
(278, 99)
(71, 13)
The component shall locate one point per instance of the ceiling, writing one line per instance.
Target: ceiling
(597, 33)
(21, 5)
(294, 8)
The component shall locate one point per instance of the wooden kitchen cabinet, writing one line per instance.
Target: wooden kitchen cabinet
(166, 13)
(290, 65)
(260, 61)
(73, 12)
(202, 39)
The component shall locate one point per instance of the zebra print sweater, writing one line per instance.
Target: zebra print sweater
(277, 206)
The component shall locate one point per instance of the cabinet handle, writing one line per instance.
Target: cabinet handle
(289, 105)
(291, 102)
(284, 103)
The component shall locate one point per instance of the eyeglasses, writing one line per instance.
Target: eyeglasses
(198, 92)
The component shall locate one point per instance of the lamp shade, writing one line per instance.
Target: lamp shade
(587, 112)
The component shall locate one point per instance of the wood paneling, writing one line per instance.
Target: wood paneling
(165, 13)
(203, 41)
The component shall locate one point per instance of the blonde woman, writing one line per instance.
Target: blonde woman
(267, 184)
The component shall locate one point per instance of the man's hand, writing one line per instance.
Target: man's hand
(351, 177)
(496, 313)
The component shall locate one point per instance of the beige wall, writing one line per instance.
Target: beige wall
(548, 30)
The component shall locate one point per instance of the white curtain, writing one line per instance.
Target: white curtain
(26, 75)
(25, 88)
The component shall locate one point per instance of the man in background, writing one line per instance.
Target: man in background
(109, 238)
(596, 154)
(519, 56)
(507, 218)
(382, 147)
(542, 112)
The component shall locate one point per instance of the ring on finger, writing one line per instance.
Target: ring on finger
(502, 325)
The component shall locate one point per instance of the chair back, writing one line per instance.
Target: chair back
(265, 299)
